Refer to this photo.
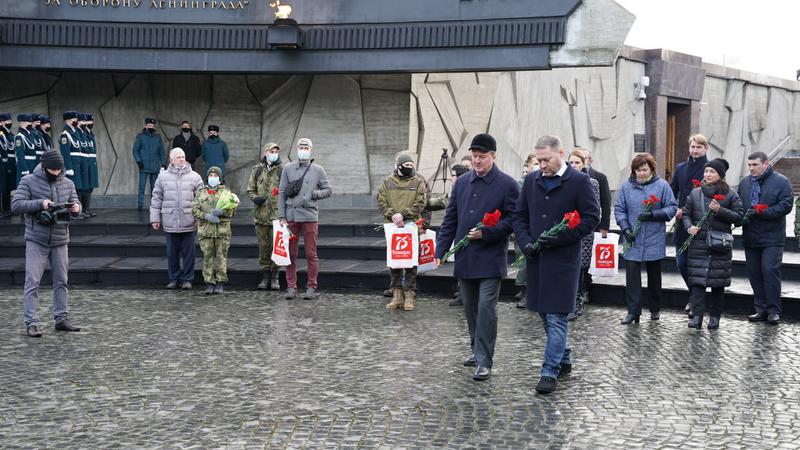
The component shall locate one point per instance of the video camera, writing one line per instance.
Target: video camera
(55, 214)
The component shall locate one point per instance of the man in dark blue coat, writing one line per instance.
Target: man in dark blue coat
(553, 266)
(764, 234)
(482, 264)
(682, 185)
(148, 152)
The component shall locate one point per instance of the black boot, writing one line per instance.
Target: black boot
(696, 322)
(209, 289)
(630, 318)
(523, 300)
(264, 285)
(713, 323)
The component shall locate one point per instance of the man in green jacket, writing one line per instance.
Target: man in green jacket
(402, 198)
(262, 188)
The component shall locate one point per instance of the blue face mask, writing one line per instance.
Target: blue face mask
(213, 181)
(272, 157)
(304, 154)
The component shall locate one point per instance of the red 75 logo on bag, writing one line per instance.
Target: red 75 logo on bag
(279, 247)
(425, 251)
(605, 256)
(401, 246)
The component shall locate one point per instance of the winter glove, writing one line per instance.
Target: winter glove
(217, 212)
(530, 251)
(259, 201)
(211, 218)
(645, 216)
(629, 235)
(70, 173)
(548, 241)
(140, 164)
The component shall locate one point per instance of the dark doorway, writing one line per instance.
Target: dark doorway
(679, 125)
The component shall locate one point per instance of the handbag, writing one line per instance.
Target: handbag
(295, 186)
(719, 241)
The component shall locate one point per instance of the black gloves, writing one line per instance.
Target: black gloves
(259, 201)
(548, 241)
(530, 251)
(140, 164)
(629, 235)
(645, 216)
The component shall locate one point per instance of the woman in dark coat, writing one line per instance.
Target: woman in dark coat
(577, 159)
(709, 267)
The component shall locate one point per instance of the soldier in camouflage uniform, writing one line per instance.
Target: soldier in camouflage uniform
(213, 230)
(262, 188)
(401, 198)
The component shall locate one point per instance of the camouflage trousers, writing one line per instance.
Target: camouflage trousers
(410, 278)
(215, 259)
(264, 235)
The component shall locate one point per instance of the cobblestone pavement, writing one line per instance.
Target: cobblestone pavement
(158, 369)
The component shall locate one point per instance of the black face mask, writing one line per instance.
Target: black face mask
(50, 176)
(90, 126)
(186, 130)
(150, 130)
(74, 123)
(406, 171)
(46, 129)
(29, 127)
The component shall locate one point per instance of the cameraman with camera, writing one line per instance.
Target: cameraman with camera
(46, 198)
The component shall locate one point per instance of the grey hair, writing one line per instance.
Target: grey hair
(175, 151)
(549, 140)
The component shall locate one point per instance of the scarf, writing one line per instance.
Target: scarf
(755, 191)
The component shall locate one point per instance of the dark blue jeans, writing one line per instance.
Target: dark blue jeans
(764, 272)
(556, 349)
(180, 253)
(143, 177)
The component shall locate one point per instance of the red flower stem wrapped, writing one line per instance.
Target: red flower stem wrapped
(570, 221)
(489, 220)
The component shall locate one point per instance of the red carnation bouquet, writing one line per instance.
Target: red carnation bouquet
(703, 220)
(758, 208)
(647, 205)
(570, 221)
(489, 220)
(696, 183)
(275, 192)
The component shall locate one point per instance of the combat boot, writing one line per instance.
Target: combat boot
(274, 283)
(397, 299)
(409, 303)
(264, 285)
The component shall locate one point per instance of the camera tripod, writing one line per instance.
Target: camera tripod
(442, 172)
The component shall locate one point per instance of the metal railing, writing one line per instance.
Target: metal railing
(780, 150)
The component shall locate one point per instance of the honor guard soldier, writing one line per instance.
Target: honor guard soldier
(44, 130)
(36, 136)
(70, 145)
(92, 179)
(8, 168)
(24, 147)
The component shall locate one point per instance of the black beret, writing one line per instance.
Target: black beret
(69, 115)
(5, 116)
(22, 117)
(149, 120)
(483, 142)
(213, 128)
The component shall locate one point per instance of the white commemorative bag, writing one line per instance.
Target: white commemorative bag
(402, 245)
(280, 243)
(605, 261)
(427, 251)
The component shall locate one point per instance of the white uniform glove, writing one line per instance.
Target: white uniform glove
(70, 173)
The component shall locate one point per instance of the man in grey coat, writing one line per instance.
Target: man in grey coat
(46, 236)
(299, 211)
(171, 209)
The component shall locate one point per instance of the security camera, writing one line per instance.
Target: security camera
(645, 81)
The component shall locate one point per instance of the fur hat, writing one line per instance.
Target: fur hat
(213, 128)
(483, 142)
(5, 117)
(69, 115)
(22, 117)
(149, 120)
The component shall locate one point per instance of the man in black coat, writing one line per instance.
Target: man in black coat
(554, 266)
(189, 142)
(686, 175)
(764, 234)
(480, 266)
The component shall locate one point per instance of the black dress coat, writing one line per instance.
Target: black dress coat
(553, 274)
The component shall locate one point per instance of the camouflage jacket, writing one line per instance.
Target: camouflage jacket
(204, 201)
(264, 182)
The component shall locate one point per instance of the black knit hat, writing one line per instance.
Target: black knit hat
(718, 164)
(483, 142)
(52, 159)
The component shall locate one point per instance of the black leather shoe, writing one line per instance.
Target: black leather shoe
(688, 308)
(630, 318)
(758, 317)
(64, 325)
(696, 322)
(470, 362)
(456, 302)
(564, 370)
(773, 319)
(713, 323)
(210, 289)
(655, 315)
(482, 373)
(522, 303)
(219, 289)
(546, 385)
(33, 331)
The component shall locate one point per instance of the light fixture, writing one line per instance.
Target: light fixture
(640, 85)
(284, 33)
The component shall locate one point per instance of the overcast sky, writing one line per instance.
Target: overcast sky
(755, 35)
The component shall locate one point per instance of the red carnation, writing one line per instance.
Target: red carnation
(420, 223)
(650, 201)
(491, 219)
(696, 183)
(212, 191)
(719, 197)
(275, 192)
(573, 219)
(759, 208)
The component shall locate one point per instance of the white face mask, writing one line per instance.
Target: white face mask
(304, 154)
(213, 181)
(272, 157)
